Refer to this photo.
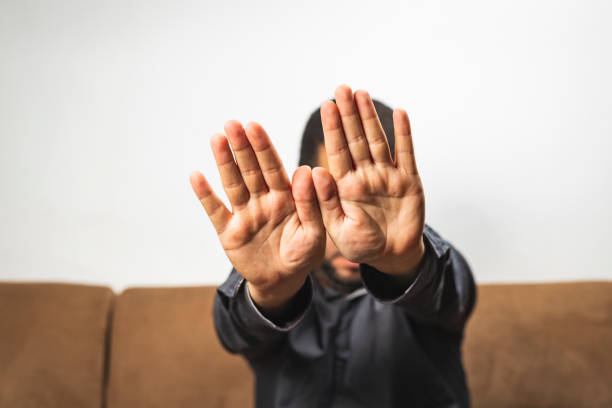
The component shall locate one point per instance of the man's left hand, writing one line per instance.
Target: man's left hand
(373, 207)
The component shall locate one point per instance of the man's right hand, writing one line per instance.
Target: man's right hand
(274, 235)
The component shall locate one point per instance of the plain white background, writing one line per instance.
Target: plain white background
(105, 108)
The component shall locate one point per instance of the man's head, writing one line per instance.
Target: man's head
(312, 153)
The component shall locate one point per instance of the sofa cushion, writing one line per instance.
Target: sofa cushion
(541, 345)
(165, 353)
(52, 344)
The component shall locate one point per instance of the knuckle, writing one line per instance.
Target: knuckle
(341, 150)
(233, 185)
(250, 172)
(272, 170)
(377, 141)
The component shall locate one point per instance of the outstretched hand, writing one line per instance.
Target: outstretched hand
(373, 207)
(274, 234)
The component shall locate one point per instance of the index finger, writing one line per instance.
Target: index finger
(336, 146)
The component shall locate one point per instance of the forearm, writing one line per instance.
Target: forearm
(442, 291)
(277, 302)
(243, 328)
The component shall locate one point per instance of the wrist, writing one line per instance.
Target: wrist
(273, 299)
(402, 265)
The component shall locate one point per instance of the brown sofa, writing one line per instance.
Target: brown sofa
(63, 345)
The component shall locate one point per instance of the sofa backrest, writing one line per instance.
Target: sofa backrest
(52, 344)
(541, 345)
(536, 345)
(165, 353)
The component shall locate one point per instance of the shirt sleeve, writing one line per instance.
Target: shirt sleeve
(442, 292)
(243, 328)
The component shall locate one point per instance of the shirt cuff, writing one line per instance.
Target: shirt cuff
(299, 306)
(385, 288)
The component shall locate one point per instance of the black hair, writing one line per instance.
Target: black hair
(312, 137)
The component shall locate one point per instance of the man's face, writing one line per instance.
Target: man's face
(344, 269)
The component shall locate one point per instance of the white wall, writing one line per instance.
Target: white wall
(105, 107)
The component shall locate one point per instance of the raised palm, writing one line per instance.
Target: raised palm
(373, 208)
(274, 235)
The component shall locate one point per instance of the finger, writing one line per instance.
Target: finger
(270, 163)
(377, 140)
(217, 212)
(357, 143)
(336, 147)
(230, 175)
(327, 195)
(305, 199)
(245, 158)
(404, 151)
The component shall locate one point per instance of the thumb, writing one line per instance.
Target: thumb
(305, 199)
(327, 194)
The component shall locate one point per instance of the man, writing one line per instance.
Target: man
(340, 295)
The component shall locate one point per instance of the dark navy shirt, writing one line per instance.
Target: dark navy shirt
(379, 346)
